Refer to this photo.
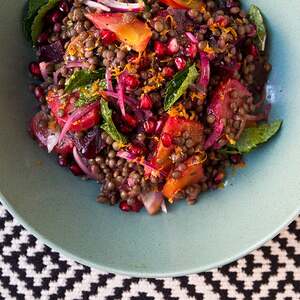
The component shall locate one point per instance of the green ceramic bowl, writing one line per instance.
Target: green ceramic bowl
(61, 210)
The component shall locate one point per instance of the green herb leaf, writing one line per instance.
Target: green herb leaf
(179, 84)
(147, 6)
(256, 18)
(38, 23)
(254, 136)
(87, 94)
(34, 6)
(84, 100)
(31, 11)
(108, 126)
(82, 78)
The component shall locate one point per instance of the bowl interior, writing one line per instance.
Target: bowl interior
(224, 225)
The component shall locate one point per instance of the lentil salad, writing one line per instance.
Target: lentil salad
(154, 100)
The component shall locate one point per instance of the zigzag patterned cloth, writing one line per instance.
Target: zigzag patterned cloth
(31, 270)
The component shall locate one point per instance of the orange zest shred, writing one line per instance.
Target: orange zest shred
(230, 30)
(116, 71)
(202, 8)
(153, 83)
(172, 21)
(178, 111)
(208, 49)
(198, 96)
(230, 140)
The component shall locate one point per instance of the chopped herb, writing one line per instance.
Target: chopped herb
(82, 78)
(254, 136)
(256, 18)
(108, 126)
(179, 84)
(38, 23)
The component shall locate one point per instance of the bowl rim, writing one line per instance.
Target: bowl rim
(102, 267)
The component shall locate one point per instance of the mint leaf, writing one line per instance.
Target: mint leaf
(90, 93)
(31, 11)
(254, 136)
(82, 78)
(34, 6)
(38, 23)
(179, 84)
(108, 126)
(256, 18)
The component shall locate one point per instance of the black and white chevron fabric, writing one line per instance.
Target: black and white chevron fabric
(31, 270)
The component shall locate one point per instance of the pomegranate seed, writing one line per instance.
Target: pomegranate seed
(219, 177)
(223, 21)
(131, 82)
(43, 38)
(63, 160)
(75, 169)
(57, 27)
(168, 72)
(130, 120)
(150, 126)
(166, 139)
(191, 50)
(180, 63)
(124, 206)
(39, 93)
(136, 149)
(64, 7)
(34, 69)
(55, 16)
(125, 129)
(173, 46)
(146, 102)
(160, 125)
(108, 37)
(136, 206)
(160, 48)
(253, 51)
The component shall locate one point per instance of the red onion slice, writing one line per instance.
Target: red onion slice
(108, 80)
(96, 5)
(44, 72)
(82, 165)
(76, 115)
(205, 71)
(191, 37)
(122, 6)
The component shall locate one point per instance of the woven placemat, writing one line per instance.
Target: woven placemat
(31, 270)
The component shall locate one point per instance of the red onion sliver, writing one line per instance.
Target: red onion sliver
(82, 165)
(44, 72)
(213, 138)
(191, 37)
(122, 6)
(129, 100)
(96, 5)
(121, 97)
(56, 74)
(108, 80)
(205, 71)
(76, 115)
